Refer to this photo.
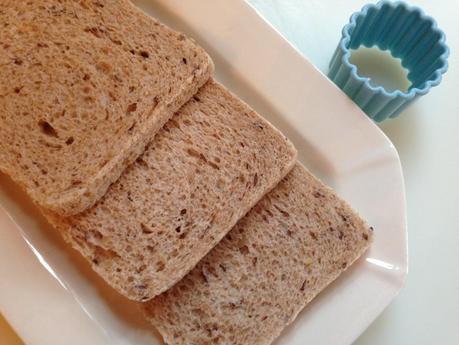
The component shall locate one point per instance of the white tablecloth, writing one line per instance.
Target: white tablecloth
(427, 138)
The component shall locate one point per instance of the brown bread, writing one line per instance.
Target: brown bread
(84, 85)
(211, 163)
(287, 249)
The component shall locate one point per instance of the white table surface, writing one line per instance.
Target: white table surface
(426, 135)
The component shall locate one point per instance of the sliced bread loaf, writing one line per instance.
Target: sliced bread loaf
(211, 163)
(84, 85)
(288, 248)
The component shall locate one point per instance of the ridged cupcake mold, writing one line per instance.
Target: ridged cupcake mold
(408, 34)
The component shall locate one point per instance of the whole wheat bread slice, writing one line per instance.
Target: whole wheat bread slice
(254, 283)
(211, 163)
(84, 85)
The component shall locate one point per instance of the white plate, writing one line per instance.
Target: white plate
(50, 295)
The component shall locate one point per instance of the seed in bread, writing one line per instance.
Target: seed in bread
(287, 249)
(211, 163)
(84, 85)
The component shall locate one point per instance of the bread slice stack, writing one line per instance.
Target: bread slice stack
(177, 193)
(287, 249)
(209, 165)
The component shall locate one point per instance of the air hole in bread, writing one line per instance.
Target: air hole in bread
(145, 229)
(95, 31)
(141, 268)
(89, 99)
(193, 153)
(220, 183)
(144, 54)
(69, 141)
(244, 250)
(115, 41)
(142, 162)
(131, 108)
(76, 182)
(47, 129)
(213, 165)
(160, 266)
(283, 212)
(131, 127)
(98, 235)
(104, 66)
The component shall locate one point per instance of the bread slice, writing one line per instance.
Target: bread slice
(211, 163)
(254, 283)
(84, 85)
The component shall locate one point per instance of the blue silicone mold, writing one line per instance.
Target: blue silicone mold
(409, 35)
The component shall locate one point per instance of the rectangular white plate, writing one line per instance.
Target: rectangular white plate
(50, 295)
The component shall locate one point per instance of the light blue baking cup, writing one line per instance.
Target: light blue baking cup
(409, 35)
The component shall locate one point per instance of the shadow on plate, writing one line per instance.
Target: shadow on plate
(403, 131)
